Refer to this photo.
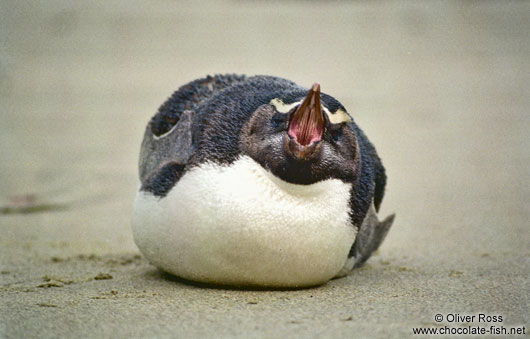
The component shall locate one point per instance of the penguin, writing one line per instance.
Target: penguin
(256, 181)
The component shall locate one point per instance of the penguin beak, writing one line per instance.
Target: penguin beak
(306, 125)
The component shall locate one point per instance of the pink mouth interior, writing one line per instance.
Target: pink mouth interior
(307, 122)
(305, 131)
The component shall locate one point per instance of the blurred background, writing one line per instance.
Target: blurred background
(441, 88)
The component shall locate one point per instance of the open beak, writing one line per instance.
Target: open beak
(306, 125)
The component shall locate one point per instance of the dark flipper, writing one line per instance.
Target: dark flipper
(167, 142)
(162, 180)
(169, 151)
(371, 234)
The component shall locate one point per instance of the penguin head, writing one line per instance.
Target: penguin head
(304, 141)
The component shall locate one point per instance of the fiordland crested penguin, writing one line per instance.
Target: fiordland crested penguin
(256, 181)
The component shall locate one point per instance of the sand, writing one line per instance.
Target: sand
(441, 88)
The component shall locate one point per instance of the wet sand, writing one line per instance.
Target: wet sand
(441, 88)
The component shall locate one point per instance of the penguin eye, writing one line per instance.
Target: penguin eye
(335, 134)
(278, 120)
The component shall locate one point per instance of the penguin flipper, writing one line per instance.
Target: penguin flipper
(167, 152)
(370, 236)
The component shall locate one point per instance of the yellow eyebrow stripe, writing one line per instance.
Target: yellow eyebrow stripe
(338, 117)
(283, 107)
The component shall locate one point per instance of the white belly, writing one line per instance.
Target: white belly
(240, 225)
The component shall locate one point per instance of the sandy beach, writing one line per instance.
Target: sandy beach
(441, 88)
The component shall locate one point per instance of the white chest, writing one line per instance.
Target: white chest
(241, 225)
